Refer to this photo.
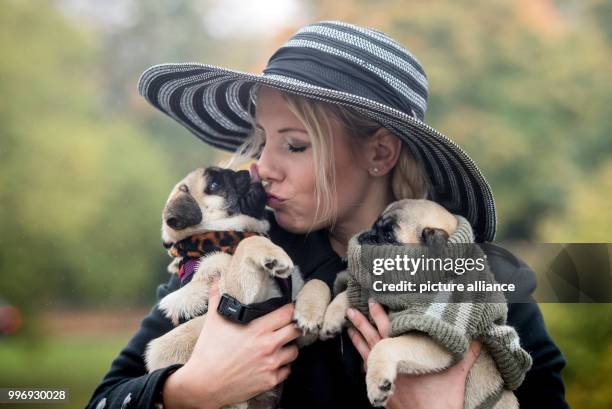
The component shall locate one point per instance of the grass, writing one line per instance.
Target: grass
(75, 362)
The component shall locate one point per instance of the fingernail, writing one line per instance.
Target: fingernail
(350, 313)
(371, 301)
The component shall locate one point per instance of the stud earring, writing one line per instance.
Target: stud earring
(375, 170)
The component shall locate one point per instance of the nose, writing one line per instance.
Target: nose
(268, 167)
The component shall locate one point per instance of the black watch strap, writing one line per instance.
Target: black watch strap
(234, 310)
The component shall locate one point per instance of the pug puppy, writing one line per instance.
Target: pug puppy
(221, 212)
(406, 222)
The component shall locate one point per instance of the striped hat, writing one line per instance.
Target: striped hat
(360, 68)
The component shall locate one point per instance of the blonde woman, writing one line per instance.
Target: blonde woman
(335, 126)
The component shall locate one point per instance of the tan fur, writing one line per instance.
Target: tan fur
(416, 353)
(334, 318)
(174, 347)
(213, 208)
(414, 215)
(247, 275)
(191, 300)
(310, 305)
(248, 279)
(411, 354)
(482, 379)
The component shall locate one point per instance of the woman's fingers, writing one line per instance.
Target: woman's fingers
(285, 334)
(367, 330)
(276, 319)
(287, 355)
(282, 374)
(213, 295)
(360, 344)
(380, 317)
(471, 355)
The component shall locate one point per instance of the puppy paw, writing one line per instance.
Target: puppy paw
(308, 320)
(187, 302)
(330, 329)
(382, 370)
(278, 267)
(335, 317)
(310, 305)
(379, 390)
(275, 261)
(171, 308)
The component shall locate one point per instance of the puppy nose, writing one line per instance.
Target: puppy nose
(182, 212)
(175, 223)
(433, 236)
(243, 180)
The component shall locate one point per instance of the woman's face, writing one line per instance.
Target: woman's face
(287, 164)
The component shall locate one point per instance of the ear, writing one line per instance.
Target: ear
(382, 152)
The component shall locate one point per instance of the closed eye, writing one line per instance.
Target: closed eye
(294, 149)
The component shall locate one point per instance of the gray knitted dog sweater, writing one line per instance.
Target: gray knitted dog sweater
(454, 318)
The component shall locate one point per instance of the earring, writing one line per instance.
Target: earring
(375, 170)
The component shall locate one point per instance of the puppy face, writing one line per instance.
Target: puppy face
(411, 221)
(207, 196)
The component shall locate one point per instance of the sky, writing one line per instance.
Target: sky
(222, 18)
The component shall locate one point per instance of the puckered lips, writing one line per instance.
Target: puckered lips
(272, 200)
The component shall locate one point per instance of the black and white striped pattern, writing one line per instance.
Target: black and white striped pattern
(212, 102)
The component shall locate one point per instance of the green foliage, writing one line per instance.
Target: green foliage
(584, 335)
(83, 188)
(523, 86)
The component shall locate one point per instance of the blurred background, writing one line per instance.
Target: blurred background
(86, 164)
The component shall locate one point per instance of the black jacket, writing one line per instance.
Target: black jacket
(328, 374)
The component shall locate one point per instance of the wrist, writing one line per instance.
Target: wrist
(180, 393)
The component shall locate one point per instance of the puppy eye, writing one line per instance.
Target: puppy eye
(389, 236)
(388, 231)
(213, 186)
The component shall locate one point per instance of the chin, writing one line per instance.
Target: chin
(290, 222)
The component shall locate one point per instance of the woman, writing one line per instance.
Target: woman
(336, 126)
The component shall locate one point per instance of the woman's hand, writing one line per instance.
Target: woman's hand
(230, 362)
(441, 390)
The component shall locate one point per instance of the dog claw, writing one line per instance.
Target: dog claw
(270, 264)
(385, 385)
(379, 391)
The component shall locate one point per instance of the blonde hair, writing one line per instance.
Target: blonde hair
(408, 179)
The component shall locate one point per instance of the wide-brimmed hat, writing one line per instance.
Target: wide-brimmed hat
(340, 63)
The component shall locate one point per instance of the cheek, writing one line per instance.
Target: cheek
(351, 186)
(301, 178)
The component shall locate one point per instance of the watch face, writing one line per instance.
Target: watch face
(230, 307)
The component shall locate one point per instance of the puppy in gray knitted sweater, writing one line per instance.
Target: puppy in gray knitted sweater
(429, 330)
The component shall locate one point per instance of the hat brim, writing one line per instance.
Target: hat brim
(212, 102)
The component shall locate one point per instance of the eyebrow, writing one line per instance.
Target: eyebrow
(283, 129)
